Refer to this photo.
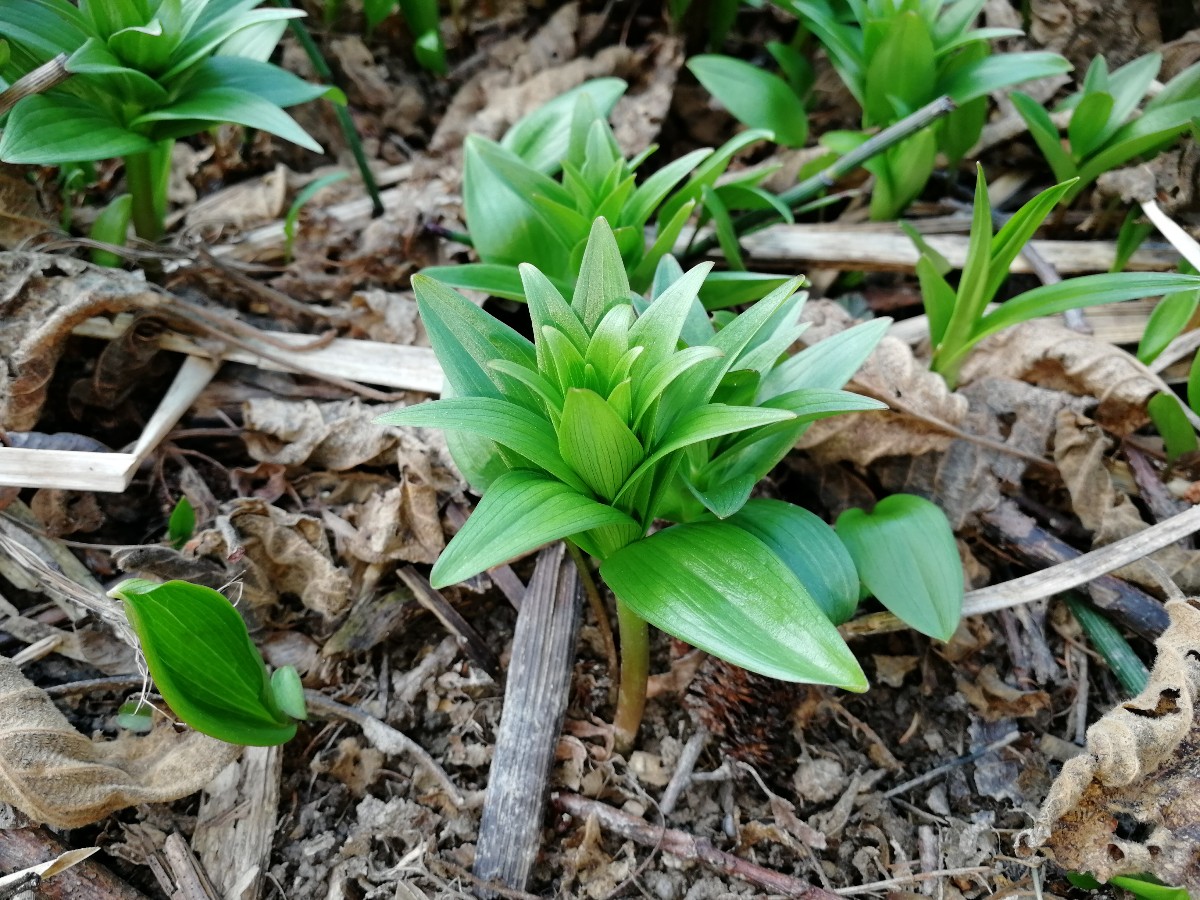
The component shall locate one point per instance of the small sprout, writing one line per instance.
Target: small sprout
(135, 716)
(182, 524)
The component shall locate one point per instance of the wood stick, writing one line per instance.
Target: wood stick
(21, 848)
(682, 845)
(535, 701)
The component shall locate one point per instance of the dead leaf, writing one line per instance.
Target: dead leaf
(996, 699)
(21, 215)
(1129, 804)
(1081, 29)
(277, 552)
(67, 512)
(42, 297)
(243, 205)
(365, 82)
(1054, 357)
(1080, 451)
(388, 316)
(892, 670)
(339, 435)
(401, 524)
(55, 775)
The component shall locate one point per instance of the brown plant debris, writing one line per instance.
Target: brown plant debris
(55, 775)
(1129, 804)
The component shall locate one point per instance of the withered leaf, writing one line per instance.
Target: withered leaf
(1142, 768)
(55, 775)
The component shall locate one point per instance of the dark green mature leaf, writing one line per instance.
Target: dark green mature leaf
(271, 83)
(810, 548)
(906, 556)
(721, 589)
(51, 129)
(225, 104)
(596, 443)
(45, 27)
(520, 511)
(1001, 71)
(754, 97)
(203, 661)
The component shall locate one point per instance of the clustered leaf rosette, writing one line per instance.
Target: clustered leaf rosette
(143, 72)
(517, 211)
(621, 413)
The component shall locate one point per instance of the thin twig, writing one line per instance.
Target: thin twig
(596, 602)
(953, 764)
(469, 639)
(682, 775)
(912, 879)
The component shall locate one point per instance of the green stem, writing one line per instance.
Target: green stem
(343, 115)
(827, 178)
(146, 175)
(635, 670)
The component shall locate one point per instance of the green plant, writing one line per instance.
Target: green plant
(305, 194)
(145, 72)
(516, 212)
(895, 56)
(754, 97)
(1144, 886)
(205, 665)
(1106, 129)
(182, 523)
(959, 318)
(423, 21)
(623, 412)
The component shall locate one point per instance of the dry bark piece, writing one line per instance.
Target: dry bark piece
(1141, 769)
(55, 775)
(43, 297)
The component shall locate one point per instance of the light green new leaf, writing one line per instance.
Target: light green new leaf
(541, 137)
(182, 523)
(826, 364)
(754, 97)
(1169, 318)
(51, 129)
(906, 556)
(649, 387)
(721, 589)
(596, 443)
(1000, 71)
(508, 424)
(658, 329)
(1045, 135)
(203, 661)
(1089, 124)
(726, 497)
(520, 511)
(810, 548)
(602, 280)
(1179, 437)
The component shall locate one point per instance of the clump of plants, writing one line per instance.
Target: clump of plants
(959, 318)
(143, 74)
(896, 56)
(518, 212)
(1108, 124)
(636, 430)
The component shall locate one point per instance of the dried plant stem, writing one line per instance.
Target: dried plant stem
(40, 79)
(596, 602)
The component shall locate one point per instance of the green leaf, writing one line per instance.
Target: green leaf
(203, 661)
(650, 386)
(288, 691)
(906, 556)
(829, 363)
(1111, 645)
(939, 298)
(223, 104)
(602, 280)
(135, 716)
(94, 58)
(723, 225)
(810, 548)
(182, 523)
(271, 83)
(755, 98)
(721, 589)
(497, 280)
(1170, 316)
(111, 227)
(1166, 411)
(508, 424)
(1141, 886)
(726, 497)
(708, 172)
(658, 329)
(1089, 124)
(44, 27)
(1016, 233)
(541, 137)
(1193, 385)
(303, 196)
(1000, 71)
(654, 189)
(1045, 135)
(900, 73)
(520, 512)
(51, 129)
(596, 443)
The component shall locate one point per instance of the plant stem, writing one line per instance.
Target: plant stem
(343, 115)
(809, 188)
(145, 174)
(635, 670)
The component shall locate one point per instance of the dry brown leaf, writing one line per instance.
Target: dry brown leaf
(401, 524)
(67, 512)
(42, 297)
(21, 215)
(1054, 357)
(388, 316)
(242, 205)
(55, 775)
(995, 699)
(339, 435)
(1080, 29)
(277, 552)
(1141, 769)
(1080, 451)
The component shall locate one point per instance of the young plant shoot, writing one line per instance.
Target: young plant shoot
(959, 319)
(622, 413)
(517, 212)
(143, 74)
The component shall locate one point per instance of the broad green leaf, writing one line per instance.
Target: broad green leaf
(256, 42)
(547, 307)
(810, 548)
(223, 104)
(203, 41)
(901, 174)
(203, 661)
(1184, 86)
(649, 387)
(726, 497)
(497, 280)
(1045, 135)
(906, 556)
(596, 443)
(565, 363)
(900, 72)
(51, 129)
(755, 98)
(654, 189)
(520, 512)
(602, 280)
(182, 523)
(708, 172)
(271, 83)
(94, 58)
(1166, 411)
(721, 589)
(659, 328)
(1089, 124)
(45, 27)
(829, 363)
(1146, 134)
(668, 233)
(1170, 316)
(540, 137)
(111, 227)
(1077, 293)
(288, 691)
(939, 298)
(722, 290)
(535, 381)
(1127, 86)
(743, 197)
(508, 424)
(1000, 71)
